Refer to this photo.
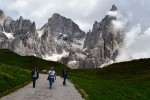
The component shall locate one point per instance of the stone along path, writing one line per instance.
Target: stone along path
(42, 91)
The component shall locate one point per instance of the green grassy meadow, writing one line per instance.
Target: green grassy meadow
(12, 78)
(119, 81)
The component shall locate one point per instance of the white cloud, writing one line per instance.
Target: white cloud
(112, 13)
(136, 45)
(120, 23)
(147, 32)
(131, 36)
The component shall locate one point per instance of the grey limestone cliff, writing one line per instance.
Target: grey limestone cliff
(61, 39)
(101, 44)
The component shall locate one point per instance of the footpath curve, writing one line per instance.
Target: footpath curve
(42, 91)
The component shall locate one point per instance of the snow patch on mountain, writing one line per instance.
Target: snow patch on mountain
(9, 35)
(106, 64)
(81, 55)
(55, 56)
(72, 64)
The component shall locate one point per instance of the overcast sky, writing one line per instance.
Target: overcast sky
(83, 12)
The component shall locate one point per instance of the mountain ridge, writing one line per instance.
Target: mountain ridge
(61, 39)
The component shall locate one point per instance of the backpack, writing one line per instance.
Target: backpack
(50, 76)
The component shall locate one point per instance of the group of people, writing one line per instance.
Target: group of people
(51, 76)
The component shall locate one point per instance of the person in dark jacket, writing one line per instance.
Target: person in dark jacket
(64, 75)
(34, 75)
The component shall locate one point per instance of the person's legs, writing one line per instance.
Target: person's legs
(50, 82)
(34, 80)
(64, 82)
(53, 79)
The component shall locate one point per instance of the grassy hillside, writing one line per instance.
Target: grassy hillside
(120, 81)
(15, 70)
(12, 77)
(28, 62)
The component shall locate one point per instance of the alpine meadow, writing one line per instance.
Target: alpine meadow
(74, 50)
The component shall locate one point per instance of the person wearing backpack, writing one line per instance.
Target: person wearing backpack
(35, 76)
(64, 75)
(51, 76)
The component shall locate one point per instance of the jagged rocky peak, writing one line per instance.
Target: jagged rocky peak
(18, 35)
(95, 24)
(56, 18)
(5, 22)
(59, 18)
(114, 8)
(20, 18)
(60, 35)
(2, 15)
(58, 24)
(21, 26)
(56, 15)
(33, 27)
(101, 45)
(2, 19)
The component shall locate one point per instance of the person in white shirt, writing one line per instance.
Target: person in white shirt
(51, 76)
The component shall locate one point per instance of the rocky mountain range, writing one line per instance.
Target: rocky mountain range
(60, 39)
(102, 43)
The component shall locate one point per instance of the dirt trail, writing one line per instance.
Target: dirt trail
(42, 91)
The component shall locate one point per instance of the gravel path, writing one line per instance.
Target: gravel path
(42, 91)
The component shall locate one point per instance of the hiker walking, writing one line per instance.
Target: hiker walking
(35, 76)
(51, 76)
(64, 75)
